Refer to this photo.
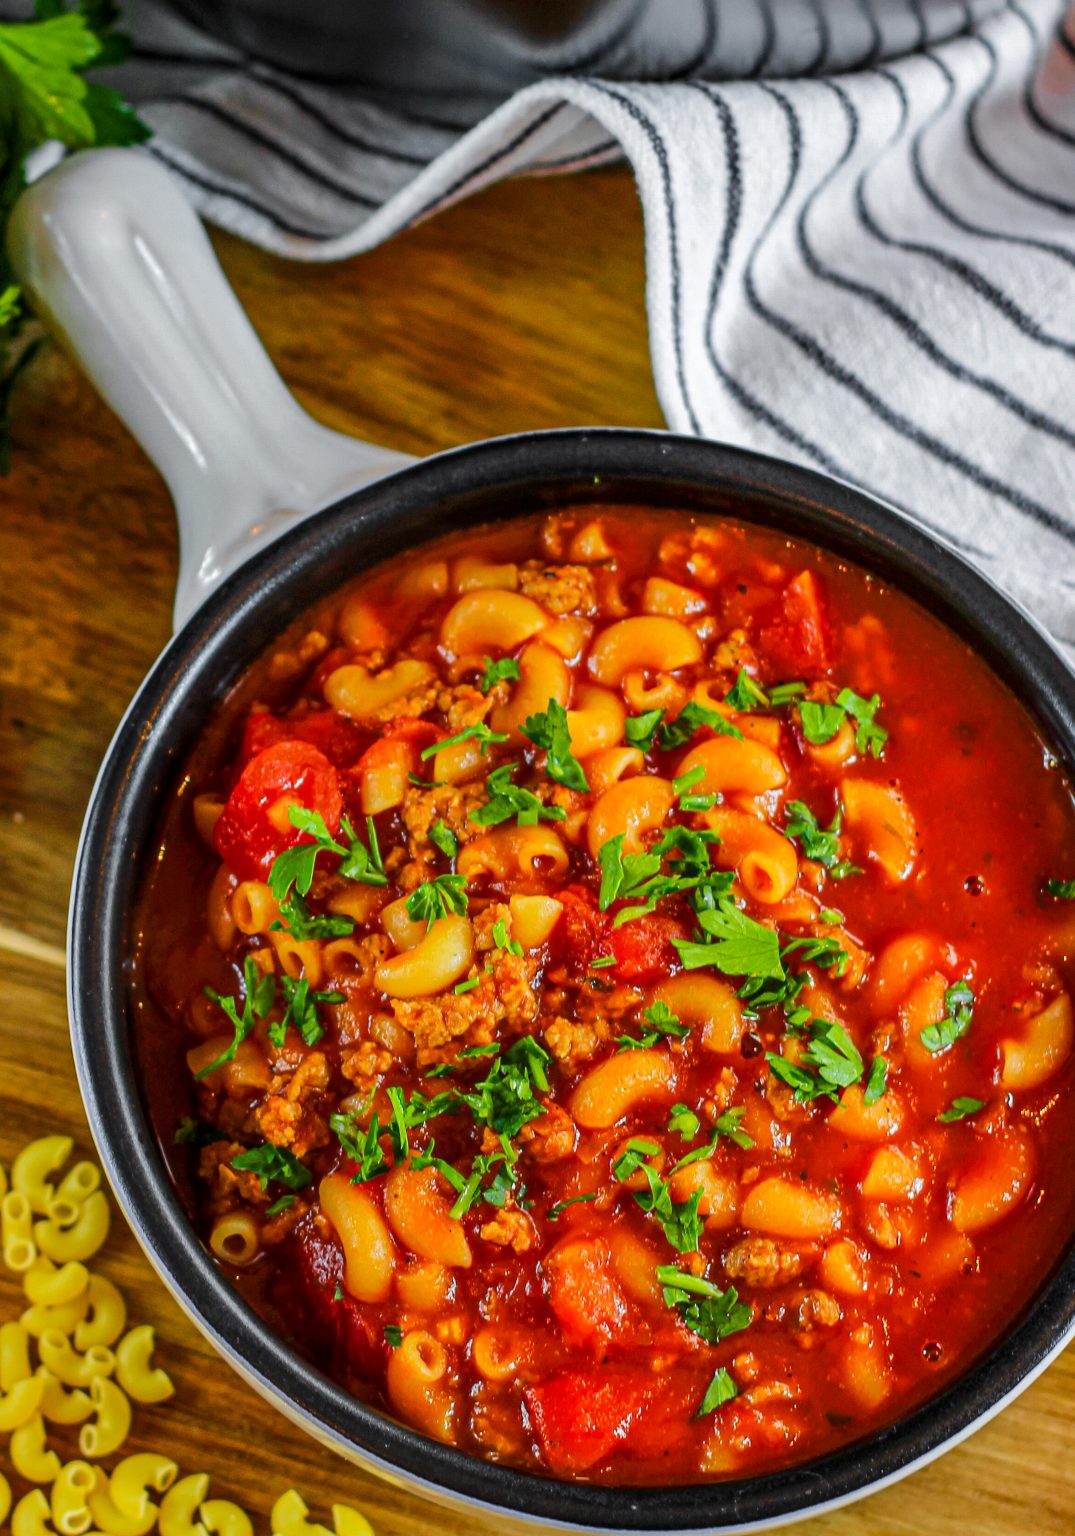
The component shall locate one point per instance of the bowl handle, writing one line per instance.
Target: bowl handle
(120, 268)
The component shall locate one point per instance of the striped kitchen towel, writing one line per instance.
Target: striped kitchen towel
(867, 268)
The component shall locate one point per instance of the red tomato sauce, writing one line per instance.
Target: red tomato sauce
(601, 1177)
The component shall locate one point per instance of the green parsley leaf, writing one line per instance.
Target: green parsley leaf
(550, 734)
(301, 1010)
(363, 1148)
(685, 1121)
(747, 694)
(679, 1220)
(506, 670)
(273, 1164)
(677, 732)
(436, 898)
(193, 1133)
(1064, 890)
(785, 693)
(556, 1211)
(877, 1082)
(478, 732)
(295, 866)
(639, 730)
(703, 1307)
(830, 1062)
(260, 995)
(466, 985)
(820, 844)
(727, 1124)
(722, 1389)
(442, 837)
(663, 1025)
(507, 800)
(337, 1294)
(601, 962)
(734, 943)
(284, 1203)
(959, 1015)
(959, 1109)
(301, 923)
(502, 940)
(820, 722)
(393, 1335)
(869, 736)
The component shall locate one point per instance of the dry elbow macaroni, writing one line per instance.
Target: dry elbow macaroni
(90, 1371)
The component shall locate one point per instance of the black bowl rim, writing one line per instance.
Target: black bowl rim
(563, 466)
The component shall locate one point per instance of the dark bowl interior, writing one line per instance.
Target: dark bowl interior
(482, 483)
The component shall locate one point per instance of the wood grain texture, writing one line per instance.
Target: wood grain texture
(521, 309)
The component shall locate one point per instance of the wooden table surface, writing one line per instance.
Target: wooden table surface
(522, 308)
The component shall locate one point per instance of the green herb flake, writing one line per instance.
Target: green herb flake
(258, 1000)
(273, 1164)
(821, 844)
(478, 732)
(820, 722)
(958, 1017)
(663, 1025)
(1063, 890)
(785, 693)
(747, 694)
(556, 1211)
(437, 898)
(876, 1082)
(639, 730)
(506, 670)
(393, 1335)
(284, 1203)
(683, 1120)
(601, 962)
(734, 944)
(959, 1109)
(549, 732)
(466, 986)
(869, 736)
(722, 1389)
(703, 1307)
(677, 732)
(507, 800)
(442, 837)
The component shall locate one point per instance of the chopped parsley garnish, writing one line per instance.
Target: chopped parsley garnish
(830, 1062)
(301, 1010)
(1064, 890)
(639, 730)
(507, 800)
(259, 997)
(295, 866)
(478, 732)
(302, 924)
(722, 1389)
(643, 876)
(556, 1211)
(195, 1133)
(505, 1099)
(869, 736)
(734, 943)
(820, 722)
(958, 1017)
(277, 1208)
(273, 1164)
(747, 694)
(677, 732)
(337, 1294)
(785, 693)
(959, 1109)
(703, 1307)
(760, 992)
(727, 1124)
(467, 985)
(679, 1221)
(502, 939)
(550, 734)
(684, 1120)
(437, 898)
(442, 837)
(506, 670)
(393, 1335)
(362, 1148)
(681, 785)
(822, 844)
(663, 1025)
(877, 1082)
(601, 962)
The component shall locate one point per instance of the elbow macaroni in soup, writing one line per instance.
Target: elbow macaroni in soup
(619, 969)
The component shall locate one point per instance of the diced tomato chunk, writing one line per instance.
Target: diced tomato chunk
(580, 1415)
(643, 947)
(313, 1282)
(337, 737)
(581, 929)
(582, 1291)
(797, 640)
(250, 832)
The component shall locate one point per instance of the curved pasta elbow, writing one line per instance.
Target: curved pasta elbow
(880, 818)
(649, 643)
(543, 677)
(415, 1381)
(441, 958)
(733, 766)
(490, 621)
(611, 1090)
(629, 807)
(1041, 1050)
(369, 1256)
(418, 1214)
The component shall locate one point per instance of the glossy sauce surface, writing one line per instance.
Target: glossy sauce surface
(826, 1260)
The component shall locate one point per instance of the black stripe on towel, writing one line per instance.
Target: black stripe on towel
(218, 189)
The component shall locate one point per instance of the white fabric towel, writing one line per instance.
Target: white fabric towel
(872, 273)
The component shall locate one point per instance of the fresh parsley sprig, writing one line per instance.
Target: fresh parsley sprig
(958, 1017)
(959, 1109)
(663, 1025)
(479, 732)
(1063, 890)
(821, 844)
(722, 1389)
(301, 1011)
(436, 898)
(294, 868)
(679, 1220)
(507, 799)
(820, 722)
(677, 732)
(273, 1165)
(506, 670)
(746, 694)
(831, 1061)
(258, 999)
(703, 1307)
(549, 732)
